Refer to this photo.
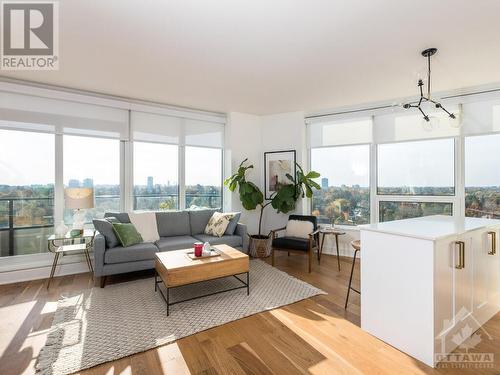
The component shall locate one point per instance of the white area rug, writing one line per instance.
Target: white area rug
(102, 325)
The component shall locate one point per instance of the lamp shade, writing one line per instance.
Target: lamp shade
(76, 198)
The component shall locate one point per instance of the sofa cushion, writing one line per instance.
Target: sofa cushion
(141, 251)
(104, 227)
(233, 223)
(174, 223)
(199, 220)
(231, 240)
(292, 243)
(121, 216)
(175, 243)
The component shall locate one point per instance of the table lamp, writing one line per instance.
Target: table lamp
(79, 199)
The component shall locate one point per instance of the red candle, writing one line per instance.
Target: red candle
(198, 248)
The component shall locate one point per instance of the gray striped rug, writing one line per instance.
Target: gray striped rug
(102, 325)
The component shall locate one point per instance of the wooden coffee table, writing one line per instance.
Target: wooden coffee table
(175, 269)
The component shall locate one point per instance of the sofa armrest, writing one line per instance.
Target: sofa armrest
(241, 230)
(99, 250)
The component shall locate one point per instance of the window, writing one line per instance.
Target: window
(203, 177)
(344, 197)
(482, 176)
(156, 184)
(26, 191)
(416, 168)
(93, 163)
(389, 211)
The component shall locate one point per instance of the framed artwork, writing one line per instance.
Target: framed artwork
(276, 165)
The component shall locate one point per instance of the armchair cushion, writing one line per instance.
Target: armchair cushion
(292, 243)
(311, 218)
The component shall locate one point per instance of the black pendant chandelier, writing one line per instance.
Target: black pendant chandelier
(423, 98)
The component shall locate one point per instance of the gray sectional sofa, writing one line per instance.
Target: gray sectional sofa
(177, 230)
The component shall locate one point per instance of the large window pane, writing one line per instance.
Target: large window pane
(389, 211)
(416, 168)
(155, 176)
(26, 191)
(482, 176)
(203, 177)
(94, 163)
(344, 197)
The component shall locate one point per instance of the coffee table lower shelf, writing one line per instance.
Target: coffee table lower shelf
(158, 280)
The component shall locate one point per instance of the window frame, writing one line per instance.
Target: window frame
(370, 159)
(377, 146)
(457, 199)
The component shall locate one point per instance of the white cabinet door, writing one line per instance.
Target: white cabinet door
(493, 281)
(486, 273)
(480, 259)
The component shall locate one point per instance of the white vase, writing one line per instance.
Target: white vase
(61, 229)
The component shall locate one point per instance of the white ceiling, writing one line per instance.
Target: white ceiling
(271, 56)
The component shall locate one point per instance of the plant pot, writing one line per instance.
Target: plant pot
(260, 246)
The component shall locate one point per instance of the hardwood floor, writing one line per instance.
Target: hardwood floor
(314, 336)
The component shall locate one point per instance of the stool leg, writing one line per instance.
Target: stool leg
(272, 256)
(350, 279)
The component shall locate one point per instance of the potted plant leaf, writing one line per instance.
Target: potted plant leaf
(284, 200)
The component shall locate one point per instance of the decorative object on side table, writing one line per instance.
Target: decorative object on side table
(61, 229)
(283, 200)
(58, 245)
(79, 199)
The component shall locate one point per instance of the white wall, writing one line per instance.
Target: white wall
(243, 138)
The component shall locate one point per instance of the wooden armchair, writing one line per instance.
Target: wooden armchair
(296, 244)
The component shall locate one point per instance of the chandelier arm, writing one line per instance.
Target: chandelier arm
(449, 113)
(423, 114)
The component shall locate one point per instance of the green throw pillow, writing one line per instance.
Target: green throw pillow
(127, 234)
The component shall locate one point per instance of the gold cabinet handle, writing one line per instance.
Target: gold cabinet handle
(461, 255)
(493, 243)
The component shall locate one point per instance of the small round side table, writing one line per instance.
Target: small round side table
(334, 232)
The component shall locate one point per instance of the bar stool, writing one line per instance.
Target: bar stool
(357, 247)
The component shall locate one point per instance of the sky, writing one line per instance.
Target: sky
(28, 158)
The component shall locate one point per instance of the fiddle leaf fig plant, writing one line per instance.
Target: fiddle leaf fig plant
(284, 200)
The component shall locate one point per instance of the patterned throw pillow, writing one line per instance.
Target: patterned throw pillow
(218, 223)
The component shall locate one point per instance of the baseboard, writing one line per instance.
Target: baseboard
(42, 272)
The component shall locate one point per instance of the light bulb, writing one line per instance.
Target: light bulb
(430, 125)
(457, 121)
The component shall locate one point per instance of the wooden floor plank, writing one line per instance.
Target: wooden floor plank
(314, 336)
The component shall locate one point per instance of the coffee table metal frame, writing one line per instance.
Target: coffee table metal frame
(158, 280)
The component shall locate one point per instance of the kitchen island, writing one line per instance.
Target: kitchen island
(424, 280)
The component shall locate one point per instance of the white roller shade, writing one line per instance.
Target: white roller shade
(66, 117)
(204, 133)
(410, 125)
(151, 127)
(339, 132)
(481, 117)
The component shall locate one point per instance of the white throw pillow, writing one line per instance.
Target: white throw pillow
(145, 223)
(299, 228)
(218, 223)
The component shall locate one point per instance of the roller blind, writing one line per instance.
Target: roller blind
(409, 125)
(330, 132)
(481, 117)
(61, 116)
(152, 127)
(204, 133)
